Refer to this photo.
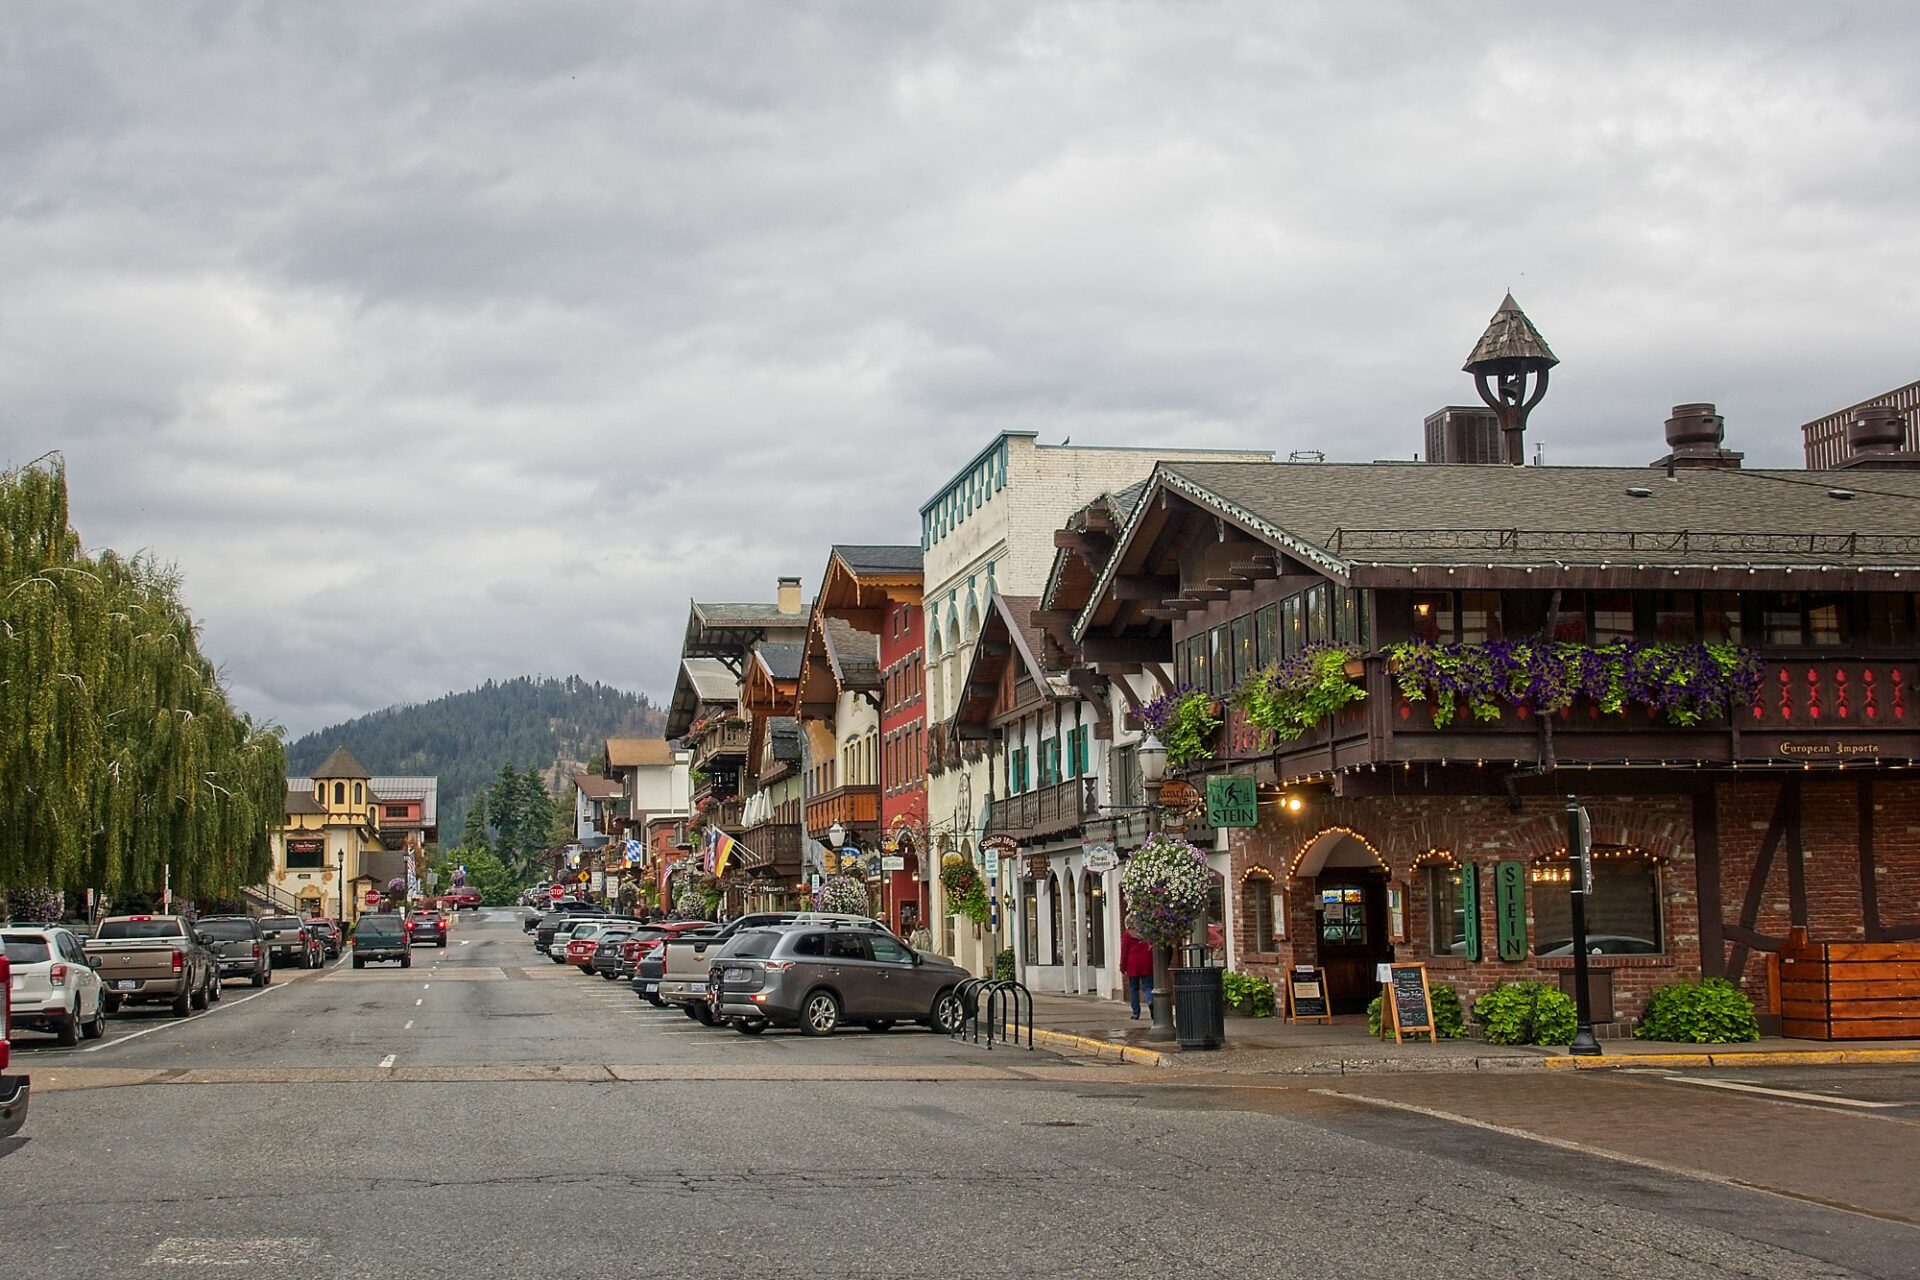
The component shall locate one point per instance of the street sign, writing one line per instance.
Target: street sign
(583, 876)
(372, 899)
(1000, 846)
(1510, 909)
(555, 892)
(1580, 837)
(1232, 801)
(1180, 795)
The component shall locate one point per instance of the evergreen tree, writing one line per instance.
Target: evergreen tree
(473, 834)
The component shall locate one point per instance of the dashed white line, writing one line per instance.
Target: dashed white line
(425, 985)
(418, 1003)
(386, 1061)
(409, 1025)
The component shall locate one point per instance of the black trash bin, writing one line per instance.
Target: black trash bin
(1199, 1007)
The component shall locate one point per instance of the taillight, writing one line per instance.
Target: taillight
(179, 961)
(776, 966)
(58, 975)
(256, 951)
(6, 1007)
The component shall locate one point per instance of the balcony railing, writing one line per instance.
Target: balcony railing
(726, 814)
(773, 848)
(1061, 807)
(722, 738)
(852, 807)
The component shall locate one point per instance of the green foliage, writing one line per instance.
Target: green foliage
(120, 753)
(1190, 727)
(1448, 1019)
(1291, 698)
(1247, 993)
(498, 886)
(1713, 1011)
(523, 814)
(966, 888)
(461, 738)
(1526, 1013)
(1003, 965)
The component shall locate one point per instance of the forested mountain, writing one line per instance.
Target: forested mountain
(464, 738)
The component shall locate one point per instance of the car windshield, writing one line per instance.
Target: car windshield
(25, 948)
(115, 929)
(227, 930)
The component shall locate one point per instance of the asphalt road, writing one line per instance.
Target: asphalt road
(489, 1114)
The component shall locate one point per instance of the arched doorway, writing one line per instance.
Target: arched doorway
(1347, 879)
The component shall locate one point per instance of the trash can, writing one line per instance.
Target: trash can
(1199, 1007)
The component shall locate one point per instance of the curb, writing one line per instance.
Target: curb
(1101, 1048)
(1755, 1058)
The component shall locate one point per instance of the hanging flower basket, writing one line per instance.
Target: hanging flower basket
(1185, 721)
(1288, 699)
(842, 895)
(1167, 883)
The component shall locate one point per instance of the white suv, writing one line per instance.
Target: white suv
(54, 985)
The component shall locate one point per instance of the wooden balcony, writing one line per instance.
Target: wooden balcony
(726, 814)
(1062, 807)
(854, 808)
(720, 738)
(772, 849)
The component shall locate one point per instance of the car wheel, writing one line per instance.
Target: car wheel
(216, 989)
(198, 999)
(183, 1004)
(879, 1024)
(948, 1013)
(607, 976)
(703, 1014)
(655, 1001)
(359, 962)
(406, 961)
(820, 1013)
(750, 1026)
(442, 944)
(69, 1029)
(97, 1026)
(260, 979)
(112, 1003)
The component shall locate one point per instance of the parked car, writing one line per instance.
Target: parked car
(239, 947)
(463, 898)
(683, 981)
(54, 987)
(14, 1090)
(333, 939)
(820, 978)
(155, 960)
(605, 959)
(288, 943)
(562, 924)
(649, 941)
(579, 944)
(382, 935)
(429, 927)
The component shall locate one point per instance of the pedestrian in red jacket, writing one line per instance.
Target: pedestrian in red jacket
(1136, 966)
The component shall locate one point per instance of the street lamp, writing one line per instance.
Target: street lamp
(1152, 755)
(836, 836)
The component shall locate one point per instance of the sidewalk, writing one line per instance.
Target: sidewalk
(1087, 1026)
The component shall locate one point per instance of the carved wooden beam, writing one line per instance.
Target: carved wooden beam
(1132, 586)
(1084, 543)
(1259, 568)
(1229, 582)
(1205, 594)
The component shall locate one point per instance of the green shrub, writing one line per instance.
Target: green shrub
(1526, 1013)
(1003, 965)
(1710, 1012)
(1448, 1019)
(1247, 993)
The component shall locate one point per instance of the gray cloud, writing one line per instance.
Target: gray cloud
(446, 341)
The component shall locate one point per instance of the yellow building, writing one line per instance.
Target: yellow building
(330, 852)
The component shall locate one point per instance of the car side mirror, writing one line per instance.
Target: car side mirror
(93, 962)
(204, 939)
(916, 958)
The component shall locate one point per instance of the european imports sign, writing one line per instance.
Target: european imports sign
(1232, 801)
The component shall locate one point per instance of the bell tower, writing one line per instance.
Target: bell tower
(1509, 366)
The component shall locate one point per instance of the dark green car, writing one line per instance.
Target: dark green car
(382, 935)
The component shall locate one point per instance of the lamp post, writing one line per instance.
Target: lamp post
(1153, 773)
(836, 836)
(340, 874)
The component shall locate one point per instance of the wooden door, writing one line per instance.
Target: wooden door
(1350, 917)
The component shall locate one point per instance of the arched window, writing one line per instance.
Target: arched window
(1093, 898)
(359, 794)
(340, 793)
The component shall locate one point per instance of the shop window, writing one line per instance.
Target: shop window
(1219, 661)
(1827, 620)
(1242, 641)
(1623, 912)
(306, 855)
(1349, 621)
(1197, 661)
(1720, 617)
(1889, 619)
(1780, 620)
(1266, 636)
(1094, 896)
(1433, 618)
(1479, 617)
(1570, 623)
(1319, 615)
(1030, 921)
(1612, 617)
(1292, 626)
(1343, 915)
(1257, 908)
(1446, 912)
(1673, 617)
(1179, 659)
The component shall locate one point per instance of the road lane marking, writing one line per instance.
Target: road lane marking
(425, 985)
(418, 1003)
(386, 1061)
(409, 1025)
(1794, 1094)
(175, 1025)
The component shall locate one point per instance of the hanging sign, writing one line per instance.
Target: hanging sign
(1307, 995)
(1470, 907)
(1232, 801)
(1510, 909)
(1039, 866)
(1180, 795)
(1101, 858)
(1000, 846)
(1408, 1002)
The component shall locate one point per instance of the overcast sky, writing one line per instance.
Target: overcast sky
(438, 342)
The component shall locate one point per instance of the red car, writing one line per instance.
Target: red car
(427, 926)
(13, 1089)
(463, 898)
(580, 952)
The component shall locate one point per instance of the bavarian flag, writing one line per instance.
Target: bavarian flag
(722, 851)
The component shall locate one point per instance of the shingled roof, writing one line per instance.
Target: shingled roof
(855, 655)
(638, 753)
(881, 560)
(781, 660)
(1510, 336)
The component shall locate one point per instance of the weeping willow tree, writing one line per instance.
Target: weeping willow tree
(120, 754)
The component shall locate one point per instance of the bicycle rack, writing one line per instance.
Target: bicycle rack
(968, 994)
(1006, 1018)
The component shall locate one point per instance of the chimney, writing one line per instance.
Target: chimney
(1876, 436)
(1463, 433)
(1694, 435)
(790, 595)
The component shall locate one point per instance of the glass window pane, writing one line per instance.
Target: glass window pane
(1433, 618)
(1827, 619)
(1673, 617)
(1612, 617)
(1197, 661)
(1319, 615)
(1219, 661)
(1266, 636)
(1720, 617)
(1889, 619)
(1445, 911)
(1780, 621)
(1570, 624)
(1292, 627)
(1242, 649)
(1479, 616)
(1623, 915)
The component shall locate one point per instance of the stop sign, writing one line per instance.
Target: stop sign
(372, 899)
(556, 892)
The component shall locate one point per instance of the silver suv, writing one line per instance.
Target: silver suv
(817, 976)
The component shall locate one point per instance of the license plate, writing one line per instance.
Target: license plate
(127, 984)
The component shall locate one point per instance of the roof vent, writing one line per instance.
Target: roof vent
(1694, 435)
(1840, 495)
(1638, 491)
(1876, 428)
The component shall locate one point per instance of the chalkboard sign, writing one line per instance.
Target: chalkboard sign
(1307, 995)
(1410, 1001)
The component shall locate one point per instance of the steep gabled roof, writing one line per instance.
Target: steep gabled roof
(638, 753)
(881, 561)
(341, 764)
(595, 787)
(855, 655)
